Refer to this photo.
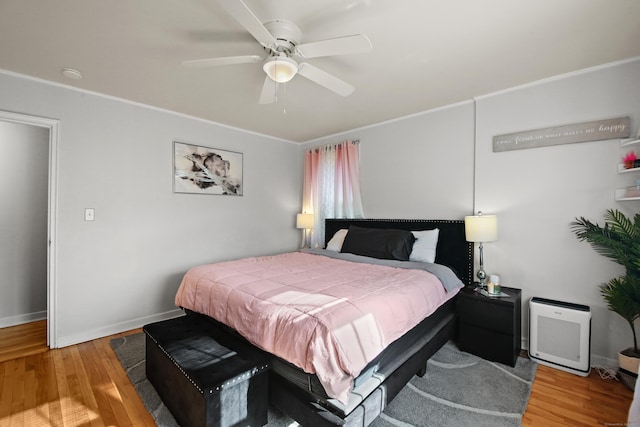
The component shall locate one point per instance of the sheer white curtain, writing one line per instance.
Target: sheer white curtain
(332, 185)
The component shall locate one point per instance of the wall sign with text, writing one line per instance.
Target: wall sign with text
(580, 132)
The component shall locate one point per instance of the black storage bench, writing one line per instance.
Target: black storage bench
(202, 377)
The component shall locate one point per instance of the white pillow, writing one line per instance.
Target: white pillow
(335, 244)
(424, 248)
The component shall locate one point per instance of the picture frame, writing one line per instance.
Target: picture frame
(198, 169)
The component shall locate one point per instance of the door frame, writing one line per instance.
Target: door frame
(54, 127)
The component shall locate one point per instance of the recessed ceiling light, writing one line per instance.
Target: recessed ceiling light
(71, 73)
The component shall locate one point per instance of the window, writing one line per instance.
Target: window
(332, 185)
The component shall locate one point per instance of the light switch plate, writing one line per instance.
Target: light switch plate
(89, 214)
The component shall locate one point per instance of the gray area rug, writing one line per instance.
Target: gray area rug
(459, 390)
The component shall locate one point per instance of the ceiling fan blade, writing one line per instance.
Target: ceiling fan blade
(245, 17)
(222, 61)
(358, 43)
(269, 89)
(325, 79)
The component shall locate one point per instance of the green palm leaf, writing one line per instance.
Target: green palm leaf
(622, 295)
(619, 240)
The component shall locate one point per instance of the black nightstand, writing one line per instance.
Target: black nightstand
(490, 327)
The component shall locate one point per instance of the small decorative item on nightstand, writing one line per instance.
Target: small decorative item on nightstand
(490, 327)
(494, 284)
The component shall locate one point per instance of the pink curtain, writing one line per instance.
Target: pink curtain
(332, 185)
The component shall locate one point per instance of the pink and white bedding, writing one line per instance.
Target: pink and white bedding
(327, 316)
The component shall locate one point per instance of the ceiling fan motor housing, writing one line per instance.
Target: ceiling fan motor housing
(286, 33)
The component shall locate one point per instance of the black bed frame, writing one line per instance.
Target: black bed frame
(454, 251)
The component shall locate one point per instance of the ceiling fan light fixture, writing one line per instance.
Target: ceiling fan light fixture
(280, 69)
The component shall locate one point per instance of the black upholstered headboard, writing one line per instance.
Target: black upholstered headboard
(453, 250)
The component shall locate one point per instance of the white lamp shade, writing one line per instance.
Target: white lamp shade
(481, 228)
(280, 68)
(304, 220)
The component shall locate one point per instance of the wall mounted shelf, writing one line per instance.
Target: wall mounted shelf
(627, 193)
(629, 141)
(622, 169)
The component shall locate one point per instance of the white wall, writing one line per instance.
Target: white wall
(122, 270)
(538, 192)
(423, 167)
(416, 167)
(24, 161)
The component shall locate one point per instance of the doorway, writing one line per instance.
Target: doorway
(50, 129)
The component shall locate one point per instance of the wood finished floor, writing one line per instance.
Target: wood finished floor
(84, 385)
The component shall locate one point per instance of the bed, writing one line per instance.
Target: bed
(356, 352)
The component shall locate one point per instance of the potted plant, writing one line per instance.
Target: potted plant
(618, 240)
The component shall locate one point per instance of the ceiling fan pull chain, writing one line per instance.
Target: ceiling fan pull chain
(284, 104)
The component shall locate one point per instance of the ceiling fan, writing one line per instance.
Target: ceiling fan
(281, 40)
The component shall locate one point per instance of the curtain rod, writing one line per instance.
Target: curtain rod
(353, 141)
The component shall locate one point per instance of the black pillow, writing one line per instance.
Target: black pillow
(382, 243)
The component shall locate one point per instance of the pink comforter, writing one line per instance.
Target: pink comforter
(326, 316)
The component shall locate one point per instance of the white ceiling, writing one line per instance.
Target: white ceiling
(426, 53)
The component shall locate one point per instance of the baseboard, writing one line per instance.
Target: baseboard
(603, 362)
(22, 318)
(64, 341)
(596, 361)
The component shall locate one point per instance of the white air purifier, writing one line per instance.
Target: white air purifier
(560, 335)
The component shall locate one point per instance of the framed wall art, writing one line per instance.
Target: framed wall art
(203, 170)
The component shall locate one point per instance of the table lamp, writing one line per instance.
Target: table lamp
(304, 221)
(481, 228)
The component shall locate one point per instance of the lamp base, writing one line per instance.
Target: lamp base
(305, 244)
(482, 277)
